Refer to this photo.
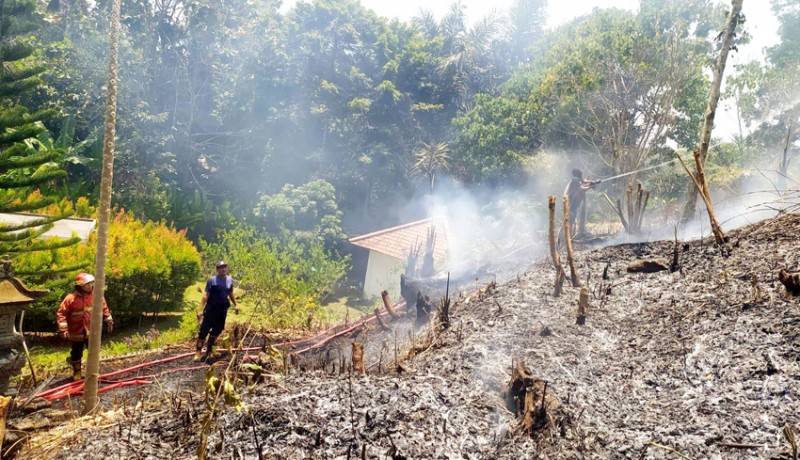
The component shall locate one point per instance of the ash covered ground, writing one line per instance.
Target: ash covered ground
(702, 363)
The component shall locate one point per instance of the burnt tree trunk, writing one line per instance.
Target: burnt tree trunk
(734, 17)
(387, 303)
(583, 306)
(573, 272)
(560, 275)
(791, 281)
(424, 308)
(528, 398)
(358, 358)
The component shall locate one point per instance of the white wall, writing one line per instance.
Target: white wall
(383, 274)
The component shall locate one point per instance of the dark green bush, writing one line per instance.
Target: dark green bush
(149, 267)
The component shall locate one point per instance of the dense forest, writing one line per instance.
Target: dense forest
(233, 110)
(325, 120)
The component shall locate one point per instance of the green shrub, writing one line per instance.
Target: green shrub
(149, 266)
(286, 279)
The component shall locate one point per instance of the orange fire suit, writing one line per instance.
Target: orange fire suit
(74, 314)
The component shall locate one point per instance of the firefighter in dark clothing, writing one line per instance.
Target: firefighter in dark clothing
(214, 310)
(576, 192)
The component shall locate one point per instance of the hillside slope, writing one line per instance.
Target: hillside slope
(704, 363)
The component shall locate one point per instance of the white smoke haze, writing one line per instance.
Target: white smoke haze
(487, 229)
(481, 226)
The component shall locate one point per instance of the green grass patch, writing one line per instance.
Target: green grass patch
(49, 355)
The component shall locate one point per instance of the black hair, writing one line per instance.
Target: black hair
(577, 173)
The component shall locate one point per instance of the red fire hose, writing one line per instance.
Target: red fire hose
(76, 388)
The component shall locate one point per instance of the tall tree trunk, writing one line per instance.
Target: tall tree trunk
(90, 398)
(713, 100)
(784, 166)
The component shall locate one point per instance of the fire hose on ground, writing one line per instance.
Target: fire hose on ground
(76, 388)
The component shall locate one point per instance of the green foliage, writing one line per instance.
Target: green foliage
(286, 279)
(430, 159)
(150, 265)
(494, 138)
(28, 155)
(306, 213)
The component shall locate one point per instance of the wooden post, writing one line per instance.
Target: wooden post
(583, 306)
(560, 275)
(358, 358)
(568, 239)
(387, 302)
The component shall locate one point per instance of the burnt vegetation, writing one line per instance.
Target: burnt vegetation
(700, 363)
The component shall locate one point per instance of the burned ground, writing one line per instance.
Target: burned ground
(700, 363)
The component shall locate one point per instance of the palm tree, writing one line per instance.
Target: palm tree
(426, 23)
(90, 398)
(469, 51)
(431, 158)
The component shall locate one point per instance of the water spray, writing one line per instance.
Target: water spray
(638, 170)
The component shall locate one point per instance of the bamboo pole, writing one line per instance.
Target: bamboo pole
(576, 282)
(560, 275)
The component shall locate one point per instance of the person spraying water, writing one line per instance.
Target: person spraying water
(576, 193)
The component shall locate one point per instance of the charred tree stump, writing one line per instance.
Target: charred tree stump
(675, 265)
(634, 208)
(411, 259)
(387, 303)
(444, 306)
(576, 282)
(790, 280)
(444, 312)
(528, 398)
(560, 275)
(358, 358)
(583, 306)
(424, 308)
(647, 266)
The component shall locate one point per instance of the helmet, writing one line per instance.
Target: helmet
(83, 278)
(221, 264)
(576, 173)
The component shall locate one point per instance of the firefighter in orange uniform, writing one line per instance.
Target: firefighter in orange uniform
(73, 320)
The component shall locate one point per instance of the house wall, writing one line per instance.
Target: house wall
(383, 274)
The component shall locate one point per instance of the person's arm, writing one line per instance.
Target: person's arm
(61, 316)
(107, 318)
(203, 301)
(233, 300)
(586, 185)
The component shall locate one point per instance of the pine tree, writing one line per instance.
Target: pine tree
(28, 157)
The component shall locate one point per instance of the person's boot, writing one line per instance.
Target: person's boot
(76, 371)
(198, 354)
(212, 353)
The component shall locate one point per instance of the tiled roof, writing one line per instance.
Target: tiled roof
(398, 241)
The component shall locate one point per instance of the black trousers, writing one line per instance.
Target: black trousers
(213, 323)
(76, 354)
